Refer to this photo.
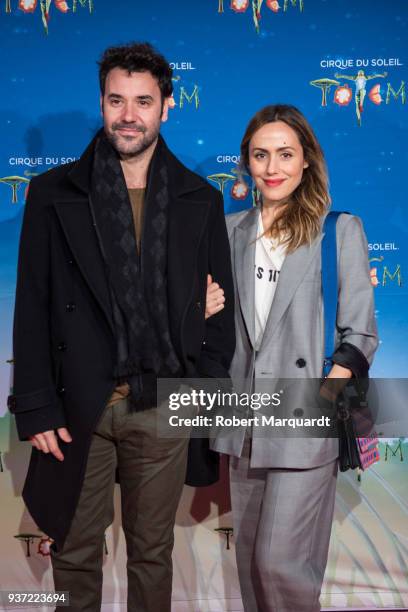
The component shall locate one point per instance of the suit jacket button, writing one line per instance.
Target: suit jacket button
(198, 304)
(61, 390)
(70, 307)
(300, 362)
(62, 346)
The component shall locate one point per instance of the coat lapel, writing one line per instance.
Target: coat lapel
(244, 257)
(76, 220)
(293, 270)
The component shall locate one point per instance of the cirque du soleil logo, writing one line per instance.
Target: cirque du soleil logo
(241, 6)
(43, 7)
(343, 94)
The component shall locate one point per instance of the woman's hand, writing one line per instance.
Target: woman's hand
(215, 299)
(335, 382)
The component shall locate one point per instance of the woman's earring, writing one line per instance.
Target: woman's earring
(256, 195)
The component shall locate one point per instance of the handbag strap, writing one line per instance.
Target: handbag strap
(329, 286)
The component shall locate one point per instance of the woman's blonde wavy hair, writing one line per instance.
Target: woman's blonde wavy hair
(300, 221)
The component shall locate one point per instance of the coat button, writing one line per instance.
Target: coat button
(61, 390)
(300, 362)
(71, 262)
(70, 307)
(11, 403)
(198, 304)
(62, 346)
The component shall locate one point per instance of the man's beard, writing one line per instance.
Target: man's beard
(125, 145)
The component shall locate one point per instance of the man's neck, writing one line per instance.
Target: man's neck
(135, 168)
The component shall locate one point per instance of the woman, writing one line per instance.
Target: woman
(283, 490)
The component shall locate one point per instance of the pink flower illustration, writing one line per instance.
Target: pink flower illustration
(239, 190)
(27, 6)
(239, 6)
(373, 277)
(273, 5)
(375, 94)
(343, 95)
(62, 6)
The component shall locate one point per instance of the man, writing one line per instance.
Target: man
(114, 255)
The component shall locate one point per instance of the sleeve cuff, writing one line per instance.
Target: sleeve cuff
(349, 356)
(31, 401)
(36, 412)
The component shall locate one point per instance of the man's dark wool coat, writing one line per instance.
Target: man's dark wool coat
(64, 339)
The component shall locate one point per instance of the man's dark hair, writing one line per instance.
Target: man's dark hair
(137, 57)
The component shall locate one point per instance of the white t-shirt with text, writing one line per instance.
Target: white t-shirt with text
(269, 257)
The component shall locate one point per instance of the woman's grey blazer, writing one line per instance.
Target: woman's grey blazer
(293, 342)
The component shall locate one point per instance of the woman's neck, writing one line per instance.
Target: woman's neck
(269, 212)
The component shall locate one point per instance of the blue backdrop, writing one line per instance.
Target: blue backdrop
(224, 71)
(230, 57)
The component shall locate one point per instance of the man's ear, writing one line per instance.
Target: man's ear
(101, 103)
(165, 111)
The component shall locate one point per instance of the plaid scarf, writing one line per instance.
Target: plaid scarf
(138, 285)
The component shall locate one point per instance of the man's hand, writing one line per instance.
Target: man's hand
(47, 442)
(215, 298)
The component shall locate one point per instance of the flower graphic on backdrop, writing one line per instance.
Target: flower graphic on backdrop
(343, 95)
(373, 277)
(239, 6)
(62, 6)
(239, 190)
(44, 546)
(28, 6)
(273, 5)
(375, 94)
